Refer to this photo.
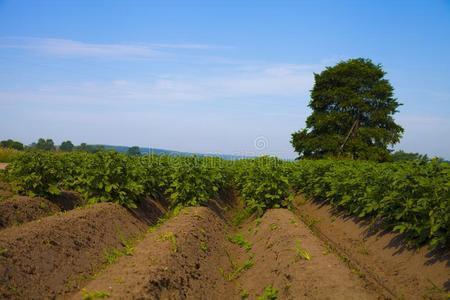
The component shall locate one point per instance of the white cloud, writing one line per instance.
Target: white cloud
(268, 81)
(71, 48)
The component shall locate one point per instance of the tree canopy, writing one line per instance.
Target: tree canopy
(11, 144)
(352, 114)
(45, 144)
(66, 146)
(135, 150)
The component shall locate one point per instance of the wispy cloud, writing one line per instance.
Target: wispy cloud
(71, 48)
(290, 81)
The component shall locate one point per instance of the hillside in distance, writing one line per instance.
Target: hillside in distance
(158, 151)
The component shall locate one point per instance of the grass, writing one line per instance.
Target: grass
(270, 293)
(112, 255)
(239, 240)
(94, 295)
(241, 216)
(237, 269)
(300, 252)
(7, 154)
(203, 246)
(247, 264)
(170, 236)
(244, 294)
(310, 221)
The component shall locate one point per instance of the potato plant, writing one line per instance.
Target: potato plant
(408, 197)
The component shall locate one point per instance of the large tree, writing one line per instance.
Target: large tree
(11, 144)
(45, 144)
(66, 146)
(352, 114)
(135, 150)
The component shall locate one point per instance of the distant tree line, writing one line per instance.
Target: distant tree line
(66, 146)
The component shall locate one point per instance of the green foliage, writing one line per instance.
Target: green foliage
(170, 236)
(411, 197)
(8, 154)
(402, 155)
(94, 295)
(194, 181)
(300, 252)
(263, 183)
(133, 151)
(11, 145)
(239, 240)
(350, 95)
(44, 144)
(66, 146)
(104, 177)
(35, 173)
(270, 293)
(238, 269)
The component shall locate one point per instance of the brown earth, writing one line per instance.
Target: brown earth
(276, 242)
(406, 272)
(3, 166)
(180, 260)
(21, 209)
(47, 257)
(189, 257)
(5, 191)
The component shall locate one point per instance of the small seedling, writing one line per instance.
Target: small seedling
(203, 246)
(111, 256)
(244, 294)
(170, 236)
(94, 295)
(239, 239)
(273, 226)
(293, 221)
(239, 269)
(128, 247)
(310, 221)
(270, 293)
(327, 250)
(363, 249)
(300, 252)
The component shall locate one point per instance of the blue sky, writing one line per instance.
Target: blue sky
(212, 76)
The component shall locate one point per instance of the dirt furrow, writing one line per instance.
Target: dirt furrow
(288, 260)
(179, 260)
(47, 257)
(410, 273)
(22, 209)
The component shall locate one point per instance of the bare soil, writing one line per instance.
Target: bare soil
(3, 166)
(47, 257)
(408, 273)
(180, 260)
(190, 257)
(277, 241)
(21, 209)
(5, 191)
(321, 255)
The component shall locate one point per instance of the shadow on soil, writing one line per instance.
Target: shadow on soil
(399, 242)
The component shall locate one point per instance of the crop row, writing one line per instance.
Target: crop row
(409, 197)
